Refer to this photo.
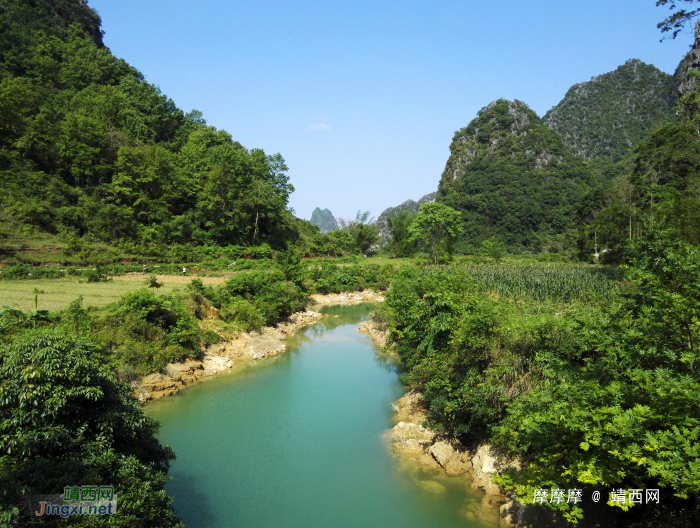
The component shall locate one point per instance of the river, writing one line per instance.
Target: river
(299, 441)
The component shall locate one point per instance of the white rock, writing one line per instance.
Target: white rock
(442, 451)
(486, 462)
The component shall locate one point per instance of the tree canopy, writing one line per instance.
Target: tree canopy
(89, 149)
(435, 227)
(65, 420)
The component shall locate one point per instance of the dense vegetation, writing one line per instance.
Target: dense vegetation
(514, 179)
(658, 188)
(610, 114)
(587, 394)
(65, 419)
(91, 152)
(145, 330)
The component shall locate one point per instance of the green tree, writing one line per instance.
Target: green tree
(77, 316)
(400, 242)
(65, 420)
(362, 233)
(152, 282)
(435, 227)
(493, 249)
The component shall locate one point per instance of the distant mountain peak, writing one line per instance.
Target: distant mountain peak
(324, 219)
(612, 112)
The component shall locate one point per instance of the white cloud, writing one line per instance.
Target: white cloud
(318, 126)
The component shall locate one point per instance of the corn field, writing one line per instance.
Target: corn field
(566, 282)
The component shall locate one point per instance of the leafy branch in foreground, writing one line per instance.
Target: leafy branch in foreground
(65, 420)
(679, 19)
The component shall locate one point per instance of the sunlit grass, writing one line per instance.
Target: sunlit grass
(60, 292)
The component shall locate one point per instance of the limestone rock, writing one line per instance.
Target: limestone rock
(442, 451)
(429, 462)
(509, 513)
(411, 437)
(213, 364)
(690, 62)
(348, 297)
(486, 462)
(371, 329)
(458, 464)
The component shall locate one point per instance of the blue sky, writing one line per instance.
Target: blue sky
(362, 98)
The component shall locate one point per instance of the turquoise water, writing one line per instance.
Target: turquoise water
(300, 441)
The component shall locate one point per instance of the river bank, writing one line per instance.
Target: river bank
(246, 347)
(422, 448)
(300, 441)
(419, 448)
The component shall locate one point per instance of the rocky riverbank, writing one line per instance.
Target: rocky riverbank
(417, 445)
(432, 453)
(348, 297)
(247, 346)
(377, 334)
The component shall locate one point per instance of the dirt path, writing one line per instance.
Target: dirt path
(172, 279)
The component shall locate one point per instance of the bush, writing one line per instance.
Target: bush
(272, 296)
(242, 313)
(148, 331)
(25, 271)
(65, 420)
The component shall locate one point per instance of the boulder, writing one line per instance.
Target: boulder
(458, 464)
(429, 462)
(486, 462)
(442, 451)
(510, 513)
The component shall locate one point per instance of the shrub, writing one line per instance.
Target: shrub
(64, 419)
(148, 331)
(243, 313)
(268, 291)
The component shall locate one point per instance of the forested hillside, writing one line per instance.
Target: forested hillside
(656, 188)
(91, 151)
(409, 207)
(608, 115)
(514, 179)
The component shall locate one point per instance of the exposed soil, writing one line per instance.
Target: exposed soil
(378, 334)
(348, 297)
(174, 279)
(247, 346)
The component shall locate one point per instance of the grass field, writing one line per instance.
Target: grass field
(384, 259)
(58, 293)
